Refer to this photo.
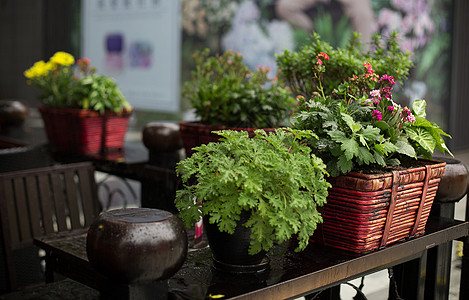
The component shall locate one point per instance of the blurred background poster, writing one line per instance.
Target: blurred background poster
(138, 43)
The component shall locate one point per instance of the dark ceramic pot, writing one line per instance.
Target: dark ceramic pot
(230, 251)
(454, 184)
(137, 245)
(162, 137)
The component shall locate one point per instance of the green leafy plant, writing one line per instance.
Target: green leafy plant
(223, 91)
(298, 67)
(360, 126)
(274, 176)
(62, 83)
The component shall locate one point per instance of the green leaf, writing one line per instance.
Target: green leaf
(350, 148)
(336, 135)
(355, 127)
(419, 107)
(386, 148)
(382, 125)
(423, 137)
(379, 159)
(403, 147)
(370, 133)
(365, 156)
(345, 165)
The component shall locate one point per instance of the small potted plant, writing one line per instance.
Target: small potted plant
(226, 94)
(83, 112)
(371, 144)
(270, 185)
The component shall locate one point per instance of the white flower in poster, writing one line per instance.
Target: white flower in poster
(256, 40)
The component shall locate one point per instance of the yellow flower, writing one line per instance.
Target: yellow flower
(62, 58)
(39, 68)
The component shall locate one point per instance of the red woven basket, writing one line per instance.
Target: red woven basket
(79, 131)
(365, 212)
(194, 134)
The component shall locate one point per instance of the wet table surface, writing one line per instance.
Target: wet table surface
(291, 274)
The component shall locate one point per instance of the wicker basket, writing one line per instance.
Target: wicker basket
(367, 212)
(77, 131)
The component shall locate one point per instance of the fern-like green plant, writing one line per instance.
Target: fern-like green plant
(274, 176)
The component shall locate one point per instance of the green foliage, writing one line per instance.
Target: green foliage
(224, 91)
(425, 135)
(274, 176)
(298, 67)
(100, 93)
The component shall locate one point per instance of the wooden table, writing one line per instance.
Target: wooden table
(291, 274)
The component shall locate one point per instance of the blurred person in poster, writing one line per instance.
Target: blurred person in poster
(360, 13)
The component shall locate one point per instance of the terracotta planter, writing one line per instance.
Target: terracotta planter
(366, 212)
(194, 134)
(84, 132)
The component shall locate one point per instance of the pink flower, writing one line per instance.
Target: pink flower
(83, 60)
(405, 112)
(391, 108)
(385, 77)
(375, 93)
(410, 118)
(369, 68)
(377, 114)
(407, 115)
(323, 55)
(319, 62)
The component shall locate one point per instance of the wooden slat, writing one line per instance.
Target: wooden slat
(33, 204)
(89, 210)
(72, 199)
(46, 203)
(22, 212)
(59, 200)
(6, 244)
(11, 213)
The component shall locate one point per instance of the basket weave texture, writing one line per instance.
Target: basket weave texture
(78, 131)
(367, 212)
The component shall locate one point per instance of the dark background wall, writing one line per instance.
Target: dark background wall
(459, 107)
(31, 30)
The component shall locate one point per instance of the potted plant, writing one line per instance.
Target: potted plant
(83, 112)
(371, 144)
(226, 94)
(299, 67)
(269, 184)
